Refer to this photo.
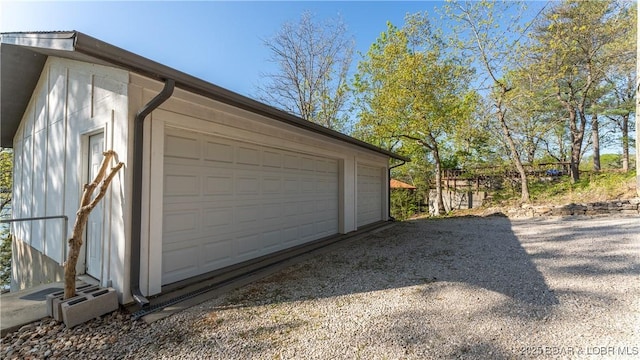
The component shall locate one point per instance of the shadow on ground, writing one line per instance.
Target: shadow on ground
(481, 252)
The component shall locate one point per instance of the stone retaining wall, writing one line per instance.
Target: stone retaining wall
(612, 207)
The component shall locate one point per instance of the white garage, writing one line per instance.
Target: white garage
(227, 201)
(214, 184)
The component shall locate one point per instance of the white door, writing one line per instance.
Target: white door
(227, 201)
(369, 194)
(96, 217)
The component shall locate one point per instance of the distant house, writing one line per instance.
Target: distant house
(397, 184)
(212, 180)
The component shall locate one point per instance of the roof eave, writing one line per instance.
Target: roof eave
(65, 44)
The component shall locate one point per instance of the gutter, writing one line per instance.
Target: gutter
(136, 208)
(389, 184)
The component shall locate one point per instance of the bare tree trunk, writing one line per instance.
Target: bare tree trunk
(625, 143)
(440, 209)
(86, 205)
(595, 138)
(577, 136)
(515, 156)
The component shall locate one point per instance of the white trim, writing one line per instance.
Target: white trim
(185, 122)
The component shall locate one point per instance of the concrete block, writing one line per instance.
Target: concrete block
(89, 305)
(629, 212)
(55, 299)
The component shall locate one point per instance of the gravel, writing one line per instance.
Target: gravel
(450, 288)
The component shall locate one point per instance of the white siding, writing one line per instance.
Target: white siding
(71, 100)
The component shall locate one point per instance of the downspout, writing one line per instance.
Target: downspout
(389, 192)
(136, 208)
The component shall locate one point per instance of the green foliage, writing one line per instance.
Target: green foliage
(607, 162)
(404, 203)
(5, 258)
(412, 95)
(591, 187)
(6, 176)
(574, 49)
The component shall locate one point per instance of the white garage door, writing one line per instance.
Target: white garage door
(226, 202)
(369, 194)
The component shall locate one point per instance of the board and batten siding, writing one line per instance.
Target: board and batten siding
(230, 125)
(71, 101)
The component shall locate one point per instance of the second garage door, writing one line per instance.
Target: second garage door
(369, 194)
(226, 202)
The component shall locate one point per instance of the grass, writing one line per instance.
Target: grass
(592, 187)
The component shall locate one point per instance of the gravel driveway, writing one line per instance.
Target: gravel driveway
(452, 288)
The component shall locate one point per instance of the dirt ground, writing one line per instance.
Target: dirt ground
(471, 287)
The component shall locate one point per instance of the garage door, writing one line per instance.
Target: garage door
(369, 194)
(226, 202)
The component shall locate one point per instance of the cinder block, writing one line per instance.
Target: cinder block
(91, 304)
(55, 299)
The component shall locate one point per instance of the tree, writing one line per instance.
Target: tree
(482, 40)
(569, 51)
(6, 171)
(87, 204)
(532, 116)
(313, 61)
(411, 94)
(621, 77)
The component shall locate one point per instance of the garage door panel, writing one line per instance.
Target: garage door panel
(240, 201)
(307, 164)
(291, 185)
(272, 211)
(218, 152)
(271, 240)
(246, 215)
(180, 185)
(217, 219)
(271, 185)
(183, 221)
(218, 254)
(248, 156)
(182, 147)
(272, 159)
(176, 261)
(246, 184)
(218, 185)
(248, 245)
(305, 207)
(289, 235)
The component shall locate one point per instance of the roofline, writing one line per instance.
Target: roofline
(76, 41)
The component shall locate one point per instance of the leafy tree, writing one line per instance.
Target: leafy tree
(313, 60)
(619, 102)
(569, 51)
(403, 203)
(481, 39)
(6, 171)
(412, 94)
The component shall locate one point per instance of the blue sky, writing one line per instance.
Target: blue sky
(218, 41)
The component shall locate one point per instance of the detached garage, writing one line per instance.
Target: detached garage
(212, 179)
